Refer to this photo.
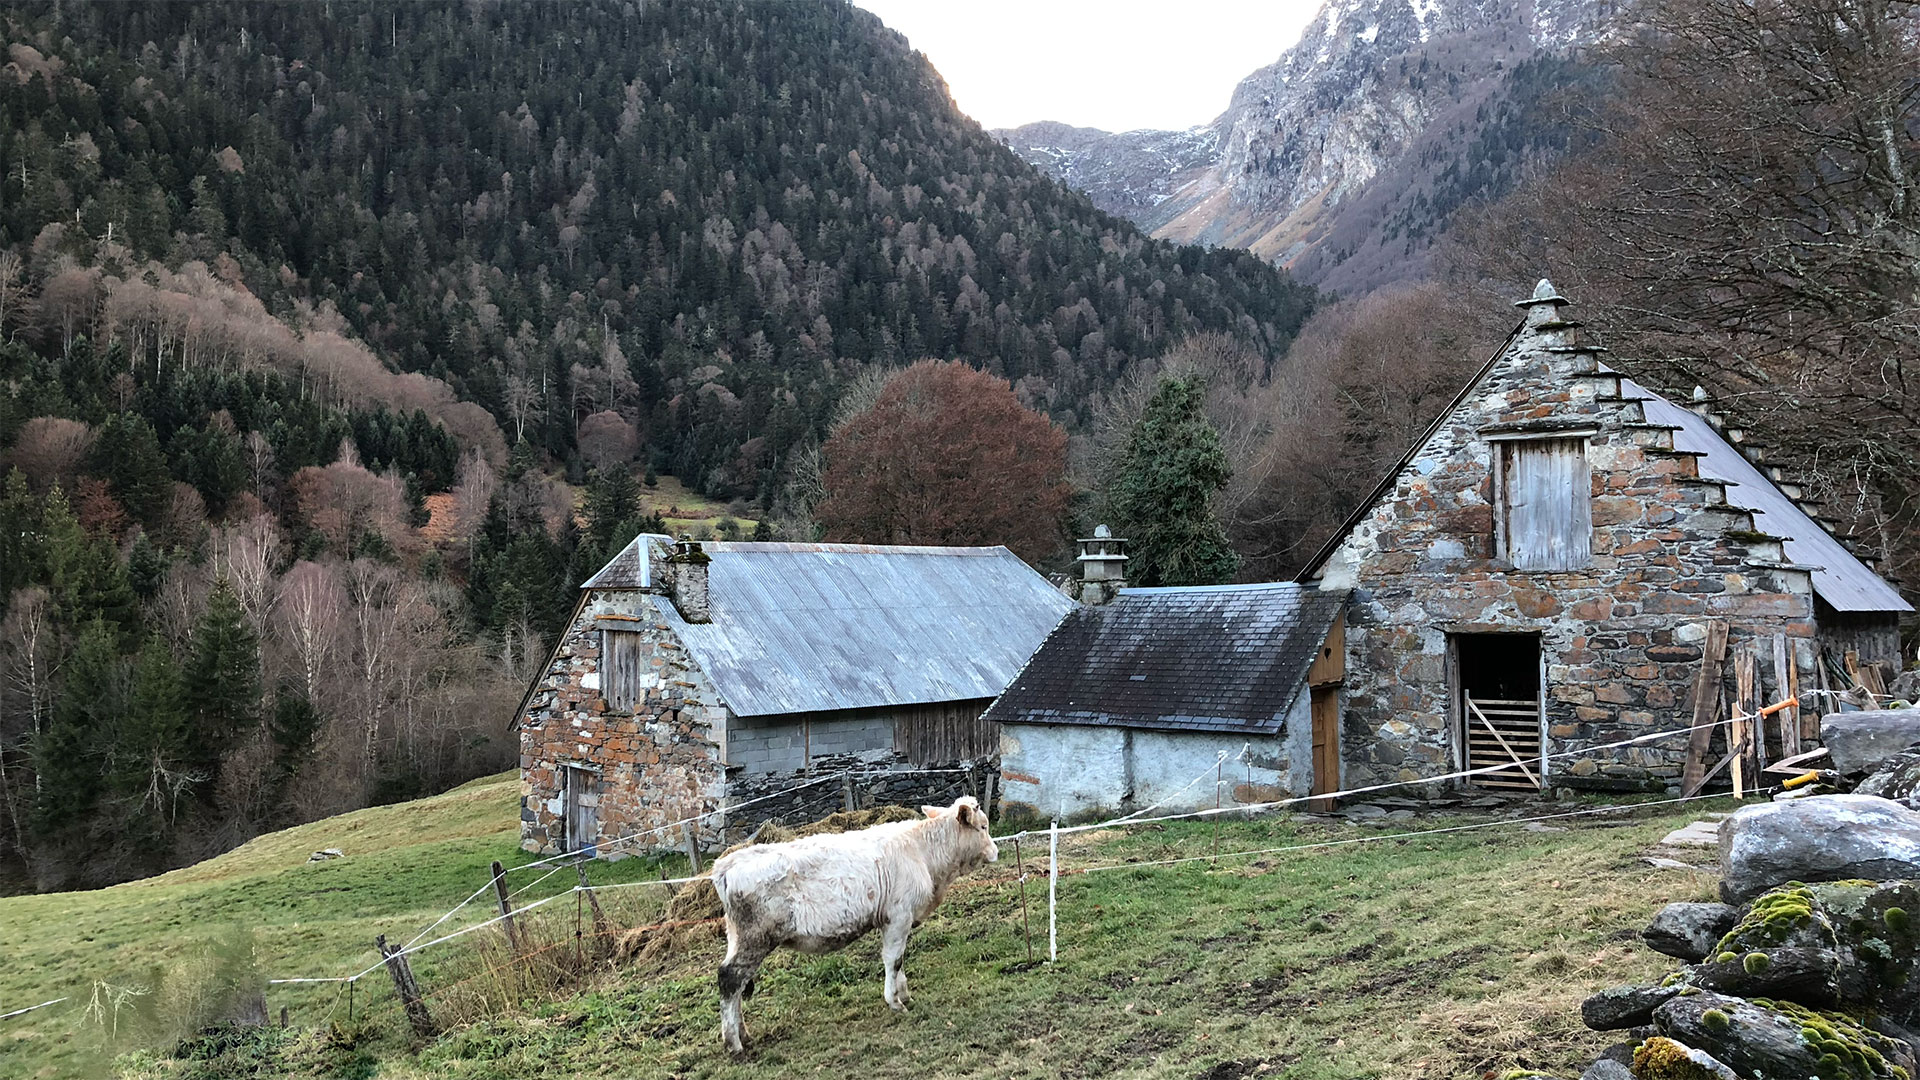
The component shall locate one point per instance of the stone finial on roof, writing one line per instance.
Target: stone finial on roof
(1544, 305)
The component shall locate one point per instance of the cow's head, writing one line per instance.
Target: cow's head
(972, 841)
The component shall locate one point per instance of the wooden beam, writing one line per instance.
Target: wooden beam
(1706, 707)
(1783, 684)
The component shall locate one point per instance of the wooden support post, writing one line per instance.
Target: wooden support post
(693, 848)
(846, 793)
(1025, 924)
(1746, 676)
(602, 933)
(1785, 689)
(1706, 707)
(1053, 891)
(407, 988)
(506, 907)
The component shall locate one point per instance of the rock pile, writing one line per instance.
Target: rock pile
(1811, 968)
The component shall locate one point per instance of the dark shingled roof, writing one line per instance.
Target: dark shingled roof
(1220, 658)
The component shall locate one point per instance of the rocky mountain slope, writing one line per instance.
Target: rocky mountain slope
(1344, 159)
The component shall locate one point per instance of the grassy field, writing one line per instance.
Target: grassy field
(1442, 956)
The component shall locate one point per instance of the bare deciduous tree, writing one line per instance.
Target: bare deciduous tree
(50, 450)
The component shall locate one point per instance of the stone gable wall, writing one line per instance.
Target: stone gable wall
(1621, 639)
(657, 765)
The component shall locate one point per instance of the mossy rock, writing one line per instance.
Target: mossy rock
(1770, 1038)
(1661, 1058)
(1788, 916)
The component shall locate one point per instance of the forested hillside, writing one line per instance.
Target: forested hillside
(701, 216)
(335, 340)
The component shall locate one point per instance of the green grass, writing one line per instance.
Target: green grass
(404, 866)
(1437, 957)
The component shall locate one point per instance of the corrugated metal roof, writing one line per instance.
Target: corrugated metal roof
(1841, 580)
(816, 627)
(1224, 658)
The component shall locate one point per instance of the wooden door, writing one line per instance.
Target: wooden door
(1326, 746)
(583, 809)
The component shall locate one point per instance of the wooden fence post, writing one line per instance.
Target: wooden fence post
(1706, 707)
(1053, 891)
(506, 907)
(693, 847)
(406, 987)
(602, 933)
(846, 792)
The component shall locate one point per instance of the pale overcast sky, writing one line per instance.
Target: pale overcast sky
(1113, 64)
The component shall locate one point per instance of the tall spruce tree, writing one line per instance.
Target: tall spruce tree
(222, 682)
(70, 754)
(1161, 493)
(147, 771)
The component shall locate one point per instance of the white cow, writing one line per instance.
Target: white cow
(819, 893)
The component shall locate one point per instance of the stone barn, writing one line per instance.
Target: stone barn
(692, 678)
(1540, 572)
(1133, 699)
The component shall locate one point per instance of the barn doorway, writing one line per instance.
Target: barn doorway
(583, 808)
(1496, 709)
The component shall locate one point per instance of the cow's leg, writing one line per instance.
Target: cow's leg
(737, 973)
(893, 953)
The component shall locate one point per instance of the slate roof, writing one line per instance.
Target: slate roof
(632, 568)
(1844, 582)
(1227, 658)
(821, 627)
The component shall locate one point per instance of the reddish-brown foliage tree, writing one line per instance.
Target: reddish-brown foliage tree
(99, 512)
(606, 440)
(343, 501)
(50, 450)
(947, 455)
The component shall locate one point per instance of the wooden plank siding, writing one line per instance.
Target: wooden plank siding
(944, 731)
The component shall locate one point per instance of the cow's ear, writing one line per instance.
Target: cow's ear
(964, 811)
(931, 811)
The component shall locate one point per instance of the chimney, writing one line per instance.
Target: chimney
(1103, 566)
(689, 562)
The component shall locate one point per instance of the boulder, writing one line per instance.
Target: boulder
(1829, 838)
(1896, 778)
(1906, 686)
(1607, 1069)
(1625, 1006)
(1856, 742)
(1808, 976)
(1779, 1039)
(1689, 931)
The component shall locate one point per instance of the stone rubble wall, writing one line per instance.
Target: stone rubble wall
(1621, 639)
(656, 765)
(877, 779)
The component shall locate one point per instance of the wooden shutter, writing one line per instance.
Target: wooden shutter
(1546, 506)
(620, 667)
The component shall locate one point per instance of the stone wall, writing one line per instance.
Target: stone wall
(1621, 639)
(658, 764)
(871, 779)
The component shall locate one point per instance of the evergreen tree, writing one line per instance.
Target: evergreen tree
(70, 754)
(1161, 492)
(21, 543)
(126, 454)
(148, 747)
(294, 725)
(612, 500)
(222, 680)
(85, 574)
(147, 566)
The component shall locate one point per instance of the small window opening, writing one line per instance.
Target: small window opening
(1497, 709)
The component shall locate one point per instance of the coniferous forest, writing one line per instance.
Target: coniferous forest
(335, 337)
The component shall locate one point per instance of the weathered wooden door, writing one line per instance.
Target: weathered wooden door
(583, 808)
(1326, 745)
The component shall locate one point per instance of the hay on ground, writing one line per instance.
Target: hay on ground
(684, 926)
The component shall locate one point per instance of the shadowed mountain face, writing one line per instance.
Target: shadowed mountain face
(1345, 159)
